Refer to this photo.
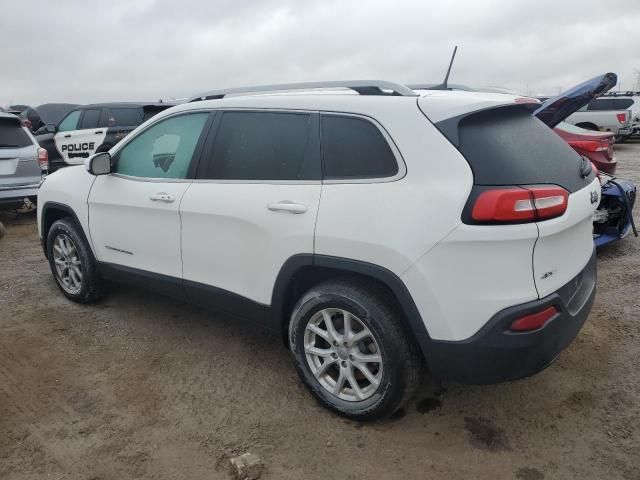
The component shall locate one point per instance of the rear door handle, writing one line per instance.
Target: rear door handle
(287, 206)
(162, 197)
(99, 131)
(67, 136)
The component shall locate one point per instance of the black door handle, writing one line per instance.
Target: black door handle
(67, 136)
(99, 131)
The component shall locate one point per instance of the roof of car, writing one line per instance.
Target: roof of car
(9, 115)
(437, 104)
(126, 104)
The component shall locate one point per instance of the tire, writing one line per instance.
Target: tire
(66, 242)
(398, 371)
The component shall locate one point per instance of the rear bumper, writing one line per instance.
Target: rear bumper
(495, 354)
(13, 195)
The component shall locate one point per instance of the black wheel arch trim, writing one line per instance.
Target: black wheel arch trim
(389, 279)
(64, 208)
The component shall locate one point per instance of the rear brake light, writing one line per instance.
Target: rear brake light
(589, 145)
(622, 117)
(520, 205)
(43, 159)
(533, 321)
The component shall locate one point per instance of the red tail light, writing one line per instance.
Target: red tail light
(589, 145)
(520, 205)
(43, 159)
(533, 321)
(622, 117)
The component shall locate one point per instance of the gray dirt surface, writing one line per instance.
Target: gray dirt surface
(141, 386)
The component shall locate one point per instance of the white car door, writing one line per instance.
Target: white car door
(253, 206)
(134, 216)
(79, 135)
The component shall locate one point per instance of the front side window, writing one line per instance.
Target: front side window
(263, 146)
(353, 148)
(70, 122)
(164, 150)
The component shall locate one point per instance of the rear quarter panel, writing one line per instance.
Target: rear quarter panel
(393, 223)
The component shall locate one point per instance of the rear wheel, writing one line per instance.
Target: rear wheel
(72, 263)
(352, 351)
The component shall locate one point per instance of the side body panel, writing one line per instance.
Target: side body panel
(69, 187)
(393, 223)
(231, 240)
(130, 229)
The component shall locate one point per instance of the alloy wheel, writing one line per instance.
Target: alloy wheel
(67, 264)
(343, 354)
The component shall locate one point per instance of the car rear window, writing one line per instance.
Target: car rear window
(12, 135)
(509, 146)
(353, 148)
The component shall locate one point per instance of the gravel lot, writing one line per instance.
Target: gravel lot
(139, 386)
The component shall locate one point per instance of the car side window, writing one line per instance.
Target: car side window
(90, 118)
(264, 146)
(70, 122)
(164, 150)
(124, 117)
(353, 148)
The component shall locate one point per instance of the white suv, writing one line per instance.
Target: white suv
(376, 231)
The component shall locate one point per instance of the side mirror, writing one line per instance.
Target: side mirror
(99, 164)
(50, 128)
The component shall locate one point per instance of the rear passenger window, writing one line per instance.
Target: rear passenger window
(124, 117)
(90, 118)
(12, 135)
(263, 146)
(355, 148)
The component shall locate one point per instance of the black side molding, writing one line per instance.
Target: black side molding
(44, 227)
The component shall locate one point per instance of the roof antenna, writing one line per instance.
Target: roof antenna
(443, 85)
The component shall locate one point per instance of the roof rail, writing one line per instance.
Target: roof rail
(363, 87)
(628, 93)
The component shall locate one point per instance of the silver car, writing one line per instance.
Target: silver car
(23, 163)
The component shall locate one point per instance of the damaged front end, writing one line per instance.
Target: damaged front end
(613, 220)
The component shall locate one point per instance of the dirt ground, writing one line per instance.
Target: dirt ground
(140, 386)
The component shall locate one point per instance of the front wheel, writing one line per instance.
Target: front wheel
(72, 263)
(352, 350)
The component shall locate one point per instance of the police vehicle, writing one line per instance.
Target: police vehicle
(89, 129)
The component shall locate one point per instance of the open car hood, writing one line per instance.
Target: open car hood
(556, 109)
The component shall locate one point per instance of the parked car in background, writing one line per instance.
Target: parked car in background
(606, 115)
(46, 113)
(613, 220)
(632, 102)
(93, 128)
(218, 201)
(23, 164)
(596, 146)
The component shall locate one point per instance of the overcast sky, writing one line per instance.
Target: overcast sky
(114, 50)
